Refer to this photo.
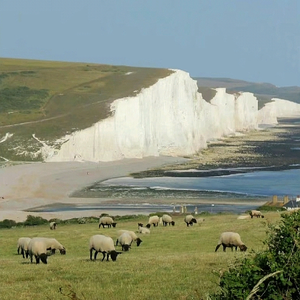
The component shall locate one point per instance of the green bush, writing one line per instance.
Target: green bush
(271, 274)
(7, 223)
(33, 220)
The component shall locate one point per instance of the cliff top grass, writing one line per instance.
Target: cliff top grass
(171, 263)
(52, 99)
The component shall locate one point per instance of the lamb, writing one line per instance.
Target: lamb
(153, 220)
(53, 225)
(134, 237)
(38, 247)
(107, 221)
(103, 244)
(22, 246)
(256, 213)
(144, 230)
(189, 220)
(231, 239)
(166, 219)
(125, 241)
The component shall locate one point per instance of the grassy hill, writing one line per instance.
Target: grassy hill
(171, 263)
(263, 91)
(52, 99)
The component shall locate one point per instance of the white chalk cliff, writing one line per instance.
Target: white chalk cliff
(169, 118)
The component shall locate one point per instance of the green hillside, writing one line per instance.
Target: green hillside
(51, 99)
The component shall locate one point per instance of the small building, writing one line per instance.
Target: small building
(293, 204)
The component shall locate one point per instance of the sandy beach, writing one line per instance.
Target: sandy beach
(30, 185)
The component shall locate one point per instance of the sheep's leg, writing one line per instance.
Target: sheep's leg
(218, 246)
(91, 254)
(27, 253)
(37, 259)
(107, 255)
(18, 250)
(22, 252)
(31, 258)
(103, 256)
(224, 248)
(95, 255)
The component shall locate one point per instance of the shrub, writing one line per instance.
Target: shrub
(7, 223)
(33, 220)
(271, 274)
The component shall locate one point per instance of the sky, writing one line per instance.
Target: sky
(252, 40)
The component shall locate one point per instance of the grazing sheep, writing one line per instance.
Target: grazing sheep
(189, 220)
(39, 246)
(53, 225)
(103, 244)
(166, 219)
(231, 239)
(22, 246)
(153, 220)
(125, 241)
(107, 221)
(200, 220)
(134, 237)
(256, 213)
(144, 230)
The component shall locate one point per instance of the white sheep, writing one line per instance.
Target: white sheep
(189, 220)
(153, 220)
(52, 225)
(39, 246)
(103, 244)
(22, 246)
(144, 230)
(125, 241)
(134, 237)
(231, 239)
(256, 213)
(107, 221)
(166, 219)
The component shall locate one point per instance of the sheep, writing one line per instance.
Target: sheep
(107, 221)
(134, 237)
(103, 244)
(144, 230)
(153, 220)
(189, 220)
(38, 247)
(166, 219)
(22, 245)
(256, 213)
(125, 241)
(53, 225)
(231, 239)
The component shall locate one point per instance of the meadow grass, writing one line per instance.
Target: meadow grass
(171, 263)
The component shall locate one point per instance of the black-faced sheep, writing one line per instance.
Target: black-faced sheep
(52, 225)
(107, 221)
(134, 237)
(103, 244)
(153, 220)
(166, 219)
(22, 246)
(125, 240)
(38, 247)
(256, 213)
(231, 239)
(189, 220)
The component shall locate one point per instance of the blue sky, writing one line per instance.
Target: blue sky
(252, 40)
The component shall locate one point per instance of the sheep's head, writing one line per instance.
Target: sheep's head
(126, 247)
(173, 223)
(138, 241)
(114, 254)
(62, 251)
(148, 225)
(140, 225)
(114, 224)
(243, 247)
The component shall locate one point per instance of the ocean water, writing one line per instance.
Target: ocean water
(243, 185)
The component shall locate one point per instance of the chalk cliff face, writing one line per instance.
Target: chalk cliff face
(169, 118)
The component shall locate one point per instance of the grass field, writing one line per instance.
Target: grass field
(171, 263)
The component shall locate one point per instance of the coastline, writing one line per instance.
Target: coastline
(28, 187)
